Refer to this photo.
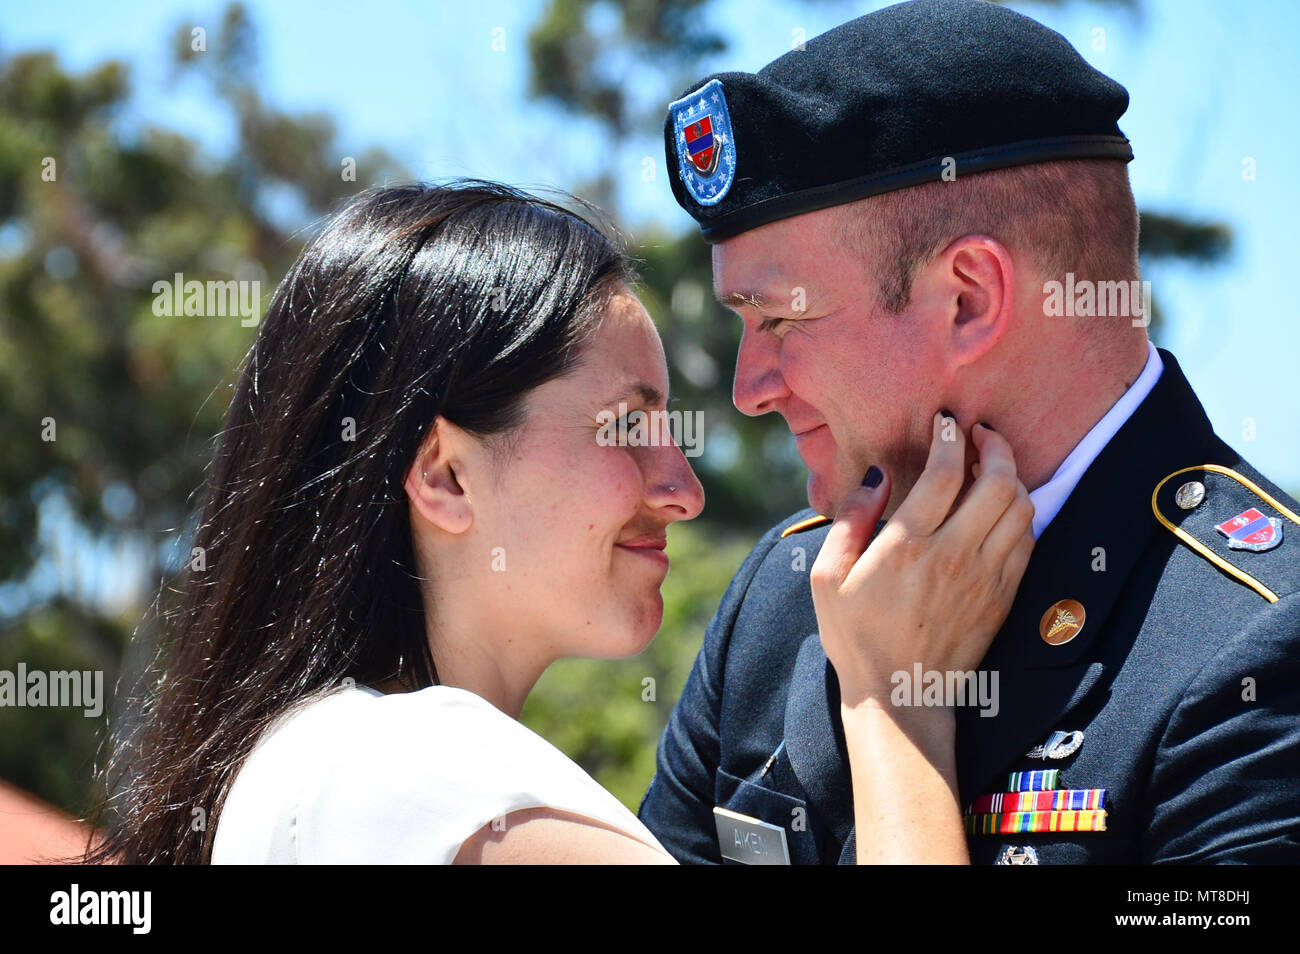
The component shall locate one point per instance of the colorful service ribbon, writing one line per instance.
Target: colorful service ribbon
(1076, 799)
(1036, 781)
(1010, 823)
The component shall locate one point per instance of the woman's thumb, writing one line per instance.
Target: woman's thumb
(855, 522)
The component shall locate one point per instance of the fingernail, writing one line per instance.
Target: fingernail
(874, 476)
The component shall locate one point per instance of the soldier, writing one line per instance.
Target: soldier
(896, 213)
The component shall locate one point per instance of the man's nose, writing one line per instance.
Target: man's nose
(758, 381)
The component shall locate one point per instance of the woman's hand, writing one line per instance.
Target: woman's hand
(932, 588)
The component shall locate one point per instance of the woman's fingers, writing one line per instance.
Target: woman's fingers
(1009, 530)
(907, 598)
(1013, 567)
(994, 490)
(931, 498)
(847, 539)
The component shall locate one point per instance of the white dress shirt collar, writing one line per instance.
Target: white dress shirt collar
(1049, 498)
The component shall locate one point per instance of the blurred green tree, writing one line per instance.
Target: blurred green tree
(107, 410)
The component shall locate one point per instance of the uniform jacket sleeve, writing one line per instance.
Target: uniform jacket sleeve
(678, 807)
(1226, 783)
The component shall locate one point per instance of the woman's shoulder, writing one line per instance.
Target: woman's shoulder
(358, 775)
(446, 726)
(352, 725)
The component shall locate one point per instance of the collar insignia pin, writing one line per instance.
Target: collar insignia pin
(1062, 622)
(1251, 530)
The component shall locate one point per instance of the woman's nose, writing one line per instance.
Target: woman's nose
(676, 491)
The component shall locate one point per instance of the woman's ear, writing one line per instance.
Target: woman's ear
(434, 484)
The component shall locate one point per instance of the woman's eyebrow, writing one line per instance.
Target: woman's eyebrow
(647, 392)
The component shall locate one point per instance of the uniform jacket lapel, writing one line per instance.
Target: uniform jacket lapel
(1088, 553)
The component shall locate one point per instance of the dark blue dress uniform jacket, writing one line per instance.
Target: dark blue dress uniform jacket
(1185, 678)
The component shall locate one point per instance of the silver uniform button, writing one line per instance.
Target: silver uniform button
(1190, 495)
(1017, 855)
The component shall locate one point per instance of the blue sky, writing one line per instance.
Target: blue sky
(1211, 84)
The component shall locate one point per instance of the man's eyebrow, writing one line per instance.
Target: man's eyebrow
(741, 299)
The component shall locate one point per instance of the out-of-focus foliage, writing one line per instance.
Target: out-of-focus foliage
(107, 410)
(586, 54)
(1172, 236)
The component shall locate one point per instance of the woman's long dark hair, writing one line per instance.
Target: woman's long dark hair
(414, 302)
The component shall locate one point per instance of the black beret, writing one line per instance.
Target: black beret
(879, 103)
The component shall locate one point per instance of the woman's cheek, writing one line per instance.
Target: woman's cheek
(613, 482)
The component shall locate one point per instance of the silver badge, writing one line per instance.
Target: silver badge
(1190, 495)
(1059, 745)
(750, 841)
(1017, 855)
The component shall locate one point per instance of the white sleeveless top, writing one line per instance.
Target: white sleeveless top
(360, 777)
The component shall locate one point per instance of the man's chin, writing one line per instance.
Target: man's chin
(825, 497)
(821, 498)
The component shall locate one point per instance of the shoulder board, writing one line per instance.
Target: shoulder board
(803, 525)
(1235, 524)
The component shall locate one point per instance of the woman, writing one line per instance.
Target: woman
(412, 511)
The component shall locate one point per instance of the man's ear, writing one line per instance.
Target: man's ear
(972, 284)
(434, 484)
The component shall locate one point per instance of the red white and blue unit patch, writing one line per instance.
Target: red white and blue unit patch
(701, 147)
(1251, 530)
(706, 151)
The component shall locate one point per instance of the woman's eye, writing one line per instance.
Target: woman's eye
(770, 324)
(617, 427)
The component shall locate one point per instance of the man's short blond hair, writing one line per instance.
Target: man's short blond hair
(1072, 215)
